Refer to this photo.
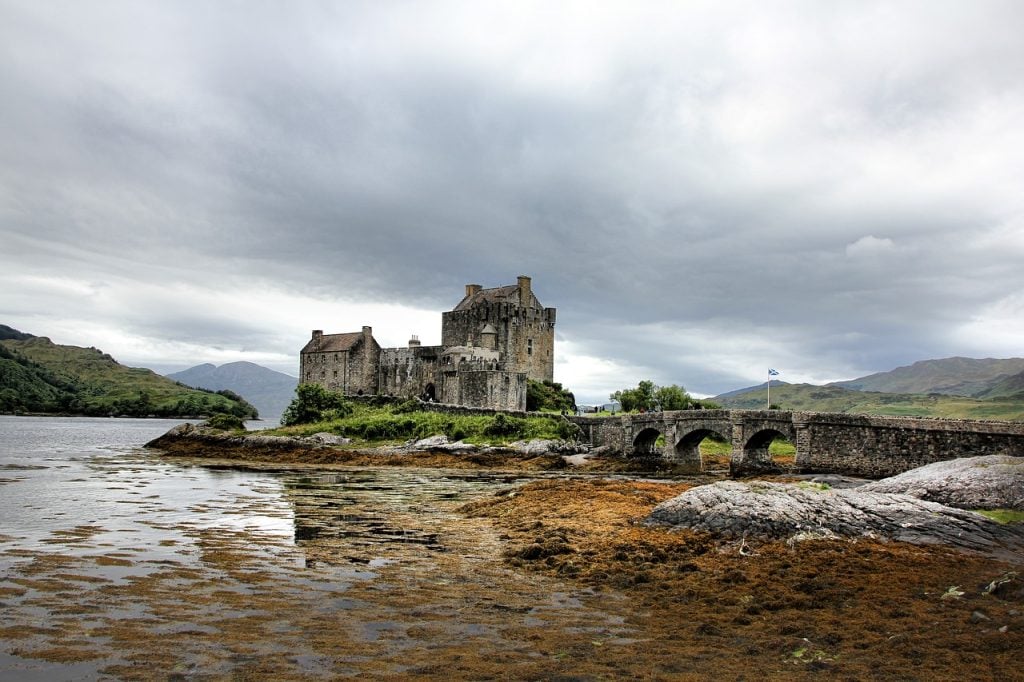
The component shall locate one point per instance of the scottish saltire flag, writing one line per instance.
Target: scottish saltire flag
(772, 372)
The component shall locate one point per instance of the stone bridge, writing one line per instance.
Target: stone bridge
(858, 445)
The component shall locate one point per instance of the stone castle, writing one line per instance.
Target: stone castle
(491, 343)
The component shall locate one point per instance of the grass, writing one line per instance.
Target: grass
(384, 424)
(1003, 515)
(720, 451)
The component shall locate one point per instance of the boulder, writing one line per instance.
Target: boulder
(990, 482)
(324, 438)
(736, 509)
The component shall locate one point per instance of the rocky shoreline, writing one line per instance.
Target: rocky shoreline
(190, 440)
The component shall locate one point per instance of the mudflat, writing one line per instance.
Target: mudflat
(551, 579)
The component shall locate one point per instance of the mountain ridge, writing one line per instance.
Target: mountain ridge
(270, 391)
(39, 376)
(988, 390)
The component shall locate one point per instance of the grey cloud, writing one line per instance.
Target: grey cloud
(712, 174)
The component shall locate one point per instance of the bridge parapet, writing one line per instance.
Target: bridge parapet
(861, 445)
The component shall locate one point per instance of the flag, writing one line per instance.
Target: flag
(772, 372)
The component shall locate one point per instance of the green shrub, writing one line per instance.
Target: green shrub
(225, 422)
(314, 403)
(502, 425)
(406, 406)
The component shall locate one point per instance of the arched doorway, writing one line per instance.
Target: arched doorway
(428, 394)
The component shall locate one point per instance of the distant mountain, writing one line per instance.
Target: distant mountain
(810, 398)
(268, 390)
(949, 376)
(748, 389)
(1010, 387)
(39, 376)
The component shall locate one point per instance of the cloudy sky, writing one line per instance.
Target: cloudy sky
(702, 189)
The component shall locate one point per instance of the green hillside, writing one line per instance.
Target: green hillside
(952, 376)
(810, 398)
(37, 375)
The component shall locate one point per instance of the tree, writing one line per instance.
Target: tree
(548, 395)
(314, 403)
(672, 397)
(647, 396)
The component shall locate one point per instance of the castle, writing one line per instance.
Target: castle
(491, 343)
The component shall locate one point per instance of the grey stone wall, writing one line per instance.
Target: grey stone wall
(408, 372)
(525, 336)
(485, 384)
(351, 372)
(857, 445)
(877, 447)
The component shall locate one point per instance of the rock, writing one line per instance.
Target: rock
(324, 438)
(783, 510)
(545, 447)
(431, 443)
(979, 617)
(188, 439)
(836, 480)
(990, 482)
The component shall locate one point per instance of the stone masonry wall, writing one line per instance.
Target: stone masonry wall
(407, 372)
(858, 445)
(877, 447)
(525, 336)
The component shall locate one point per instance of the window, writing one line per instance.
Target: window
(529, 346)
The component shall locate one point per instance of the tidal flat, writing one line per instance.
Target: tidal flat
(120, 564)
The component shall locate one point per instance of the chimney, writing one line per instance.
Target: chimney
(367, 333)
(414, 342)
(524, 290)
(318, 335)
(472, 289)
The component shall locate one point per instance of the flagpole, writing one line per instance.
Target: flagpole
(769, 388)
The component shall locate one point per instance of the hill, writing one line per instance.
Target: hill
(269, 391)
(37, 375)
(949, 376)
(832, 398)
(748, 389)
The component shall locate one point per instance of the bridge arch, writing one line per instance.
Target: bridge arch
(687, 447)
(645, 444)
(755, 455)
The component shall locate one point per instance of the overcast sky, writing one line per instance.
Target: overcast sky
(702, 189)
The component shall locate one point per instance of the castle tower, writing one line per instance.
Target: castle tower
(508, 319)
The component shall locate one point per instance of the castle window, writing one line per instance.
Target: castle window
(529, 346)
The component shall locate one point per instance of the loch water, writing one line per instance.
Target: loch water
(98, 533)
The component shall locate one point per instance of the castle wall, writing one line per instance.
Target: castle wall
(407, 372)
(351, 372)
(525, 335)
(482, 384)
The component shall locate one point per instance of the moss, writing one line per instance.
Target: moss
(1003, 515)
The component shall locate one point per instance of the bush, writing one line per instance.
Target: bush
(314, 403)
(548, 395)
(504, 426)
(225, 422)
